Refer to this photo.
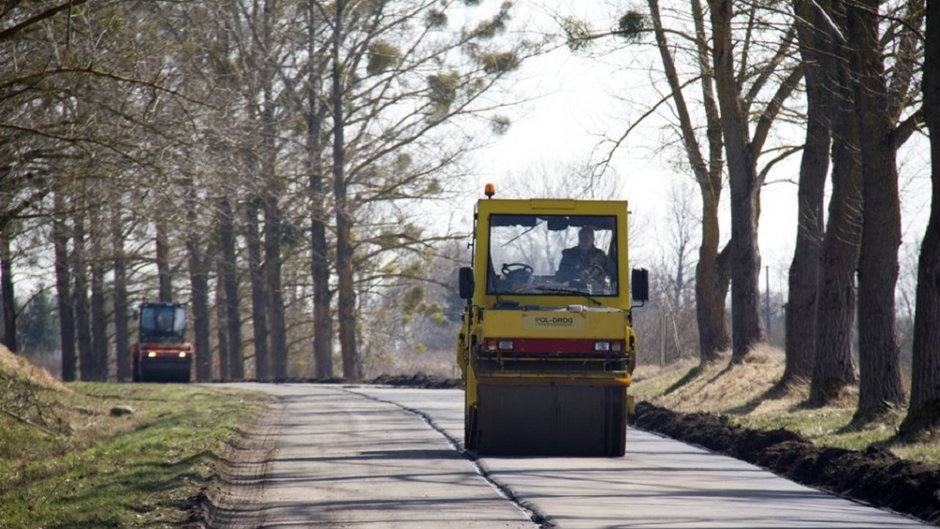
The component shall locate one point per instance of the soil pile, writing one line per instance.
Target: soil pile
(874, 476)
(417, 380)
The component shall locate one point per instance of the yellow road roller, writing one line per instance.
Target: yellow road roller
(546, 349)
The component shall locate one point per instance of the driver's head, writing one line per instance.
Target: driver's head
(586, 238)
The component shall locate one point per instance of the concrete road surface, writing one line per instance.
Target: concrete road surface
(370, 457)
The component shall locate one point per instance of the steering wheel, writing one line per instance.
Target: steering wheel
(516, 271)
(595, 272)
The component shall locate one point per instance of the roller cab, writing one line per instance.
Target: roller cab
(546, 349)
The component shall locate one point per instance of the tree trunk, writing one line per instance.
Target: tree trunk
(8, 291)
(272, 217)
(711, 289)
(199, 282)
(199, 265)
(804, 268)
(275, 296)
(319, 247)
(834, 368)
(880, 386)
(745, 256)
(258, 300)
(60, 240)
(346, 306)
(122, 341)
(923, 414)
(164, 274)
(711, 285)
(80, 296)
(221, 328)
(229, 285)
(99, 314)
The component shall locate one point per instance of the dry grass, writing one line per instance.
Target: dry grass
(749, 395)
(11, 363)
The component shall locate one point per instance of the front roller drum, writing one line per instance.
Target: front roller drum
(549, 420)
(164, 370)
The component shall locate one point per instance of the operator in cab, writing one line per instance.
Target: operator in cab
(584, 262)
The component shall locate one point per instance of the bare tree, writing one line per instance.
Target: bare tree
(315, 113)
(879, 102)
(834, 367)
(7, 288)
(754, 78)
(228, 279)
(712, 269)
(743, 151)
(63, 278)
(818, 56)
(122, 341)
(923, 416)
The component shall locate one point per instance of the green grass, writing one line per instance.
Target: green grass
(75, 466)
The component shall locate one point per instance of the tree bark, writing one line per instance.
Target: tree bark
(258, 300)
(200, 263)
(834, 368)
(816, 52)
(742, 176)
(228, 278)
(346, 305)
(80, 296)
(8, 291)
(711, 289)
(122, 341)
(199, 283)
(164, 274)
(275, 296)
(99, 315)
(880, 385)
(923, 414)
(221, 328)
(60, 240)
(319, 246)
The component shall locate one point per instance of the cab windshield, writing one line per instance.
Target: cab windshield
(552, 255)
(162, 323)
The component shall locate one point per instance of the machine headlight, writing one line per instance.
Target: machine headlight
(151, 354)
(182, 354)
(602, 346)
(505, 345)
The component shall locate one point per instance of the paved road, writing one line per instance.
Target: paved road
(369, 457)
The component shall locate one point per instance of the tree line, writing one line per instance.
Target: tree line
(268, 162)
(856, 76)
(275, 154)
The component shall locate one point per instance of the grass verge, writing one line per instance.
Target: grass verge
(70, 459)
(748, 395)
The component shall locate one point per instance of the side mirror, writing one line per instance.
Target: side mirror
(465, 284)
(640, 285)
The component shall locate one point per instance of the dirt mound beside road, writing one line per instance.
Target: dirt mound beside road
(874, 476)
(417, 380)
